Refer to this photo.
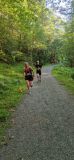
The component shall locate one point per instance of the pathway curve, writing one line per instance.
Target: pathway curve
(44, 124)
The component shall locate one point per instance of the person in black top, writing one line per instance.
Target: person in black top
(28, 74)
(38, 67)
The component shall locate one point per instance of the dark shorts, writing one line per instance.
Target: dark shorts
(38, 71)
(29, 77)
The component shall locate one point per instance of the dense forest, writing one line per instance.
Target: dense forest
(30, 31)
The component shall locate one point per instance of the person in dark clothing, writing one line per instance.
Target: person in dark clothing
(38, 67)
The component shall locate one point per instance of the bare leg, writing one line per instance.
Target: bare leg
(38, 77)
(28, 85)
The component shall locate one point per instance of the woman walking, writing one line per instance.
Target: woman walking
(28, 73)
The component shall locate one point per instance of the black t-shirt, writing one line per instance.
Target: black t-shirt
(38, 66)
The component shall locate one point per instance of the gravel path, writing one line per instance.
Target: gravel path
(43, 127)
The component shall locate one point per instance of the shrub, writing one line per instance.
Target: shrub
(72, 76)
(4, 114)
(17, 56)
(2, 56)
(7, 58)
(3, 86)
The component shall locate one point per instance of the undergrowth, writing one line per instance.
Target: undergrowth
(65, 75)
(12, 88)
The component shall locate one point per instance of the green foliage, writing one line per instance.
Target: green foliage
(12, 88)
(3, 86)
(4, 114)
(65, 75)
(11, 79)
(72, 76)
(2, 56)
(25, 26)
(68, 46)
(17, 56)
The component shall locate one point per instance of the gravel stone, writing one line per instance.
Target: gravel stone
(44, 123)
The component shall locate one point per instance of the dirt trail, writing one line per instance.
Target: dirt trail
(44, 124)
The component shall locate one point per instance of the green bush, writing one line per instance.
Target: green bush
(4, 114)
(7, 58)
(17, 56)
(3, 86)
(65, 75)
(72, 76)
(2, 56)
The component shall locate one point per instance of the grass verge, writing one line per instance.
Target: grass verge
(65, 75)
(12, 88)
